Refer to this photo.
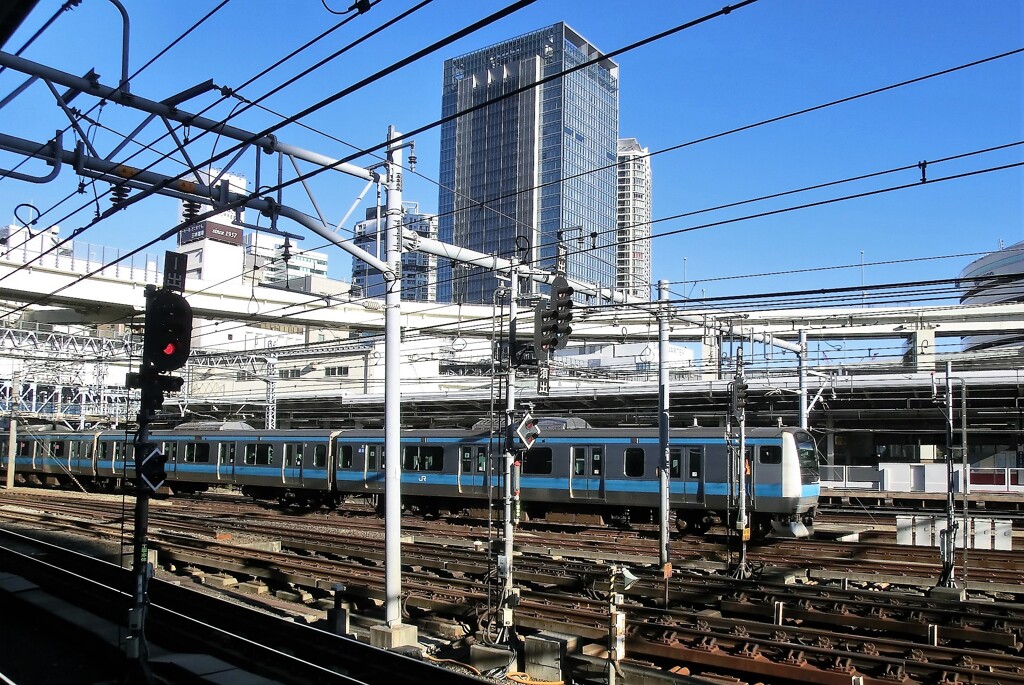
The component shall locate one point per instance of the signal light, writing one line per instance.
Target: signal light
(546, 329)
(528, 431)
(739, 396)
(150, 468)
(561, 304)
(168, 333)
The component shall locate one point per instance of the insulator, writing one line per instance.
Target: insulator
(118, 194)
(189, 211)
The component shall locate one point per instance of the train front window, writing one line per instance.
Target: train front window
(808, 455)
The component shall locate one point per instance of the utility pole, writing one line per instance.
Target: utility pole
(510, 491)
(394, 633)
(12, 436)
(739, 404)
(947, 537)
(664, 498)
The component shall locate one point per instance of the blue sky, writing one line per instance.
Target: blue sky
(762, 61)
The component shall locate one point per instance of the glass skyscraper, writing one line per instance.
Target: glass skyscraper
(519, 173)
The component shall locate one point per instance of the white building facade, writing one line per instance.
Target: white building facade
(633, 247)
(274, 259)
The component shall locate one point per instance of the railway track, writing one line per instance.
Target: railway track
(783, 626)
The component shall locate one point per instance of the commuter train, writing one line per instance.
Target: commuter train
(571, 473)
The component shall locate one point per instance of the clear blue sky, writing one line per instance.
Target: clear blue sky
(762, 61)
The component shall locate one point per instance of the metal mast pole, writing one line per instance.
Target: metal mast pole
(948, 539)
(663, 429)
(12, 437)
(741, 510)
(393, 389)
(509, 494)
(802, 364)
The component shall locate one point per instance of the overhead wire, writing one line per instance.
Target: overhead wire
(515, 6)
(252, 79)
(658, 36)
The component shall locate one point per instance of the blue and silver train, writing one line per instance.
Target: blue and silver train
(572, 472)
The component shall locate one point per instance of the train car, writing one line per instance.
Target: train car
(571, 473)
(600, 472)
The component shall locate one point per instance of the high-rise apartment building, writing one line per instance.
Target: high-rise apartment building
(419, 269)
(531, 168)
(634, 244)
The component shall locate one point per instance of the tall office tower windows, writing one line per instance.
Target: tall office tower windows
(634, 244)
(419, 269)
(532, 168)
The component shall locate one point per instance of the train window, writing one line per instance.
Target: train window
(25, 448)
(259, 454)
(75, 448)
(466, 459)
(197, 452)
(423, 458)
(596, 461)
(675, 456)
(226, 452)
(170, 451)
(57, 449)
(537, 461)
(104, 450)
(118, 450)
(371, 457)
(770, 454)
(634, 462)
(696, 458)
(344, 462)
(481, 460)
(292, 454)
(579, 461)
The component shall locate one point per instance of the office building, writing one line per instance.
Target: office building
(533, 167)
(419, 270)
(273, 259)
(634, 244)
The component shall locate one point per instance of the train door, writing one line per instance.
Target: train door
(225, 468)
(686, 473)
(80, 456)
(373, 466)
(586, 475)
(472, 470)
(766, 468)
(118, 455)
(170, 450)
(291, 464)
